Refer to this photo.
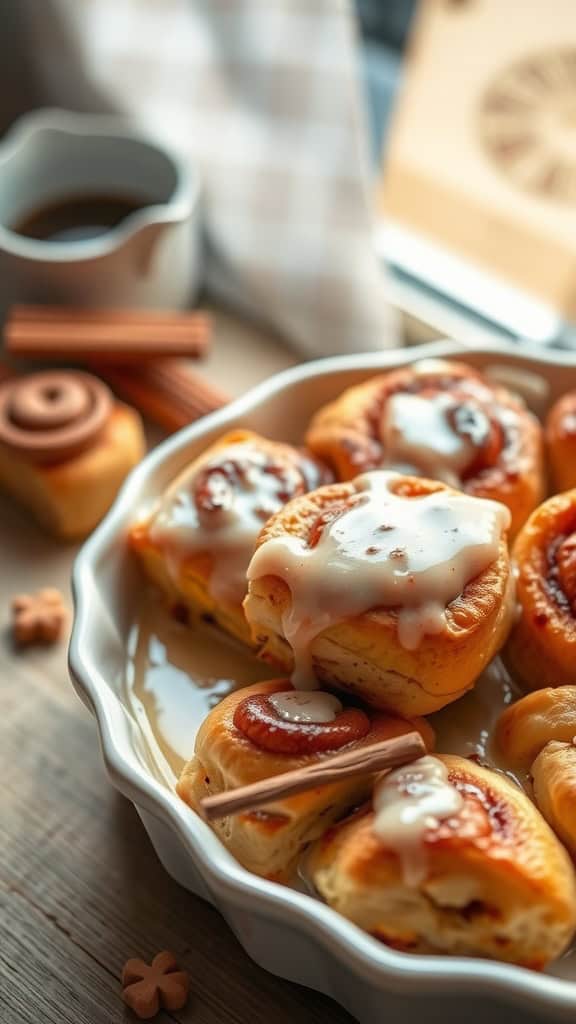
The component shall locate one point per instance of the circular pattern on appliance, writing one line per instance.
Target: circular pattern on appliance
(528, 124)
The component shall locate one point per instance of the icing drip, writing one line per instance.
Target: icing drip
(412, 554)
(315, 706)
(219, 507)
(408, 802)
(437, 436)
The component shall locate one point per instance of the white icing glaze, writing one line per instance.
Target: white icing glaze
(408, 802)
(417, 434)
(314, 706)
(415, 555)
(228, 530)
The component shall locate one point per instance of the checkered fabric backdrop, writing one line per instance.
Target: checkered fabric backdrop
(264, 96)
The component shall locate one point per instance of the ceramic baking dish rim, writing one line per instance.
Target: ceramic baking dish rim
(224, 877)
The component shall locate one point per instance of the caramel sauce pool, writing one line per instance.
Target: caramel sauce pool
(175, 674)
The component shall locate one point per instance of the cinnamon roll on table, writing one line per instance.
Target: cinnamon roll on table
(395, 588)
(541, 649)
(442, 420)
(197, 543)
(454, 858)
(66, 447)
(264, 730)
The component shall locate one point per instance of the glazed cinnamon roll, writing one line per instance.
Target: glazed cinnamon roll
(541, 649)
(560, 435)
(441, 420)
(395, 588)
(264, 730)
(197, 543)
(453, 858)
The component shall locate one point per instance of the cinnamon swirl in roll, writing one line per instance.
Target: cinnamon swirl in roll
(560, 434)
(198, 542)
(66, 447)
(264, 730)
(452, 858)
(541, 649)
(395, 588)
(441, 420)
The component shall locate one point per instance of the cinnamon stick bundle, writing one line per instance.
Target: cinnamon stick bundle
(167, 392)
(119, 335)
(361, 761)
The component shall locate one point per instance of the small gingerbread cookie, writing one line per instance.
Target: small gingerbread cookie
(147, 988)
(38, 618)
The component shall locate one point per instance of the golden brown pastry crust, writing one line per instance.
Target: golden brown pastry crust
(69, 498)
(524, 728)
(268, 842)
(560, 436)
(541, 648)
(498, 882)
(363, 654)
(190, 592)
(346, 433)
(554, 784)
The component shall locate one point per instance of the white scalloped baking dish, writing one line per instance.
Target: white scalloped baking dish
(285, 931)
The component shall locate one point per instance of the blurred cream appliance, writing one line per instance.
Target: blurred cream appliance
(479, 186)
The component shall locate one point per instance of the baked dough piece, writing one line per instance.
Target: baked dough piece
(524, 728)
(495, 881)
(541, 649)
(560, 435)
(554, 782)
(407, 658)
(441, 419)
(197, 543)
(71, 496)
(268, 842)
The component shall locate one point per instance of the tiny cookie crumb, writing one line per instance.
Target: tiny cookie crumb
(38, 618)
(148, 988)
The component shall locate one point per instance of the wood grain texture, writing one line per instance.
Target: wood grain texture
(81, 888)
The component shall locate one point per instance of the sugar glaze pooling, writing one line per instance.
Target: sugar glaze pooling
(413, 554)
(421, 435)
(313, 706)
(408, 802)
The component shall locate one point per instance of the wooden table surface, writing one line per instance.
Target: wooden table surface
(81, 888)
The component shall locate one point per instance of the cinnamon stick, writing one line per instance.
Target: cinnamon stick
(119, 335)
(167, 392)
(361, 761)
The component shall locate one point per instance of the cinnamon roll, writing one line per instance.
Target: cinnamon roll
(395, 588)
(197, 543)
(560, 435)
(264, 730)
(453, 858)
(554, 785)
(66, 447)
(524, 728)
(541, 649)
(441, 420)
(536, 738)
